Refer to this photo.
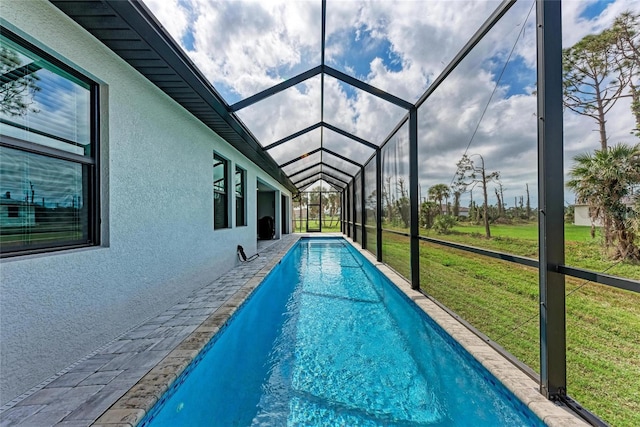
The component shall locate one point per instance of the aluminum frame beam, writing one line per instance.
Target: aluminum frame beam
(320, 124)
(347, 207)
(306, 169)
(302, 156)
(333, 177)
(553, 375)
(349, 135)
(292, 136)
(363, 202)
(488, 24)
(414, 182)
(320, 172)
(275, 89)
(311, 179)
(326, 150)
(346, 159)
(352, 81)
(336, 169)
(379, 205)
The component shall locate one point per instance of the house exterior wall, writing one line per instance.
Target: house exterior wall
(158, 241)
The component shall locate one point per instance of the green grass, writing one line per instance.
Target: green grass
(328, 225)
(580, 249)
(501, 300)
(528, 231)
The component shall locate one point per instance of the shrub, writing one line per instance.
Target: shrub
(443, 223)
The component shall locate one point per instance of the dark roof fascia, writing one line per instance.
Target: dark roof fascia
(137, 18)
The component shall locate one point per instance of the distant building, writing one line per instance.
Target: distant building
(581, 216)
(15, 213)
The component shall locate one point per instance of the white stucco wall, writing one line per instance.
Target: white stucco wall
(159, 242)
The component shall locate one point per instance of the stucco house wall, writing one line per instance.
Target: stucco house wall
(158, 241)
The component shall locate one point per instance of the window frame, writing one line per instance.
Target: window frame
(240, 197)
(225, 194)
(92, 161)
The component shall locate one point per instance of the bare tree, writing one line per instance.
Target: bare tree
(500, 213)
(469, 175)
(403, 205)
(388, 199)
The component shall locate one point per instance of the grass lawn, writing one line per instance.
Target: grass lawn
(529, 231)
(501, 300)
(328, 225)
(580, 249)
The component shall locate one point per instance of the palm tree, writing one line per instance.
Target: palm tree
(605, 181)
(438, 192)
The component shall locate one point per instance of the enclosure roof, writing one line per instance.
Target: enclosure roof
(300, 115)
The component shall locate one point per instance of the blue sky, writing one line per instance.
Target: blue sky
(362, 48)
(595, 8)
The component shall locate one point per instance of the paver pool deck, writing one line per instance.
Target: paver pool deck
(117, 384)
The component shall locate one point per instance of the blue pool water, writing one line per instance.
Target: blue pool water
(326, 340)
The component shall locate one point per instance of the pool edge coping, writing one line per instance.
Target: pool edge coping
(133, 406)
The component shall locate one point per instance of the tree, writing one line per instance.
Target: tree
(18, 84)
(456, 201)
(388, 200)
(500, 197)
(403, 206)
(443, 223)
(504, 204)
(438, 192)
(472, 209)
(528, 203)
(592, 81)
(470, 175)
(624, 35)
(333, 200)
(428, 212)
(604, 180)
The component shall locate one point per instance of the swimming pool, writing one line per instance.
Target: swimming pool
(327, 340)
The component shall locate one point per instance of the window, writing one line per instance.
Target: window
(241, 217)
(220, 193)
(48, 152)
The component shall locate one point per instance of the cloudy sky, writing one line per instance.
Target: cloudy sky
(485, 108)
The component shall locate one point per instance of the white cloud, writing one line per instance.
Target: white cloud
(173, 16)
(245, 47)
(249, 46)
